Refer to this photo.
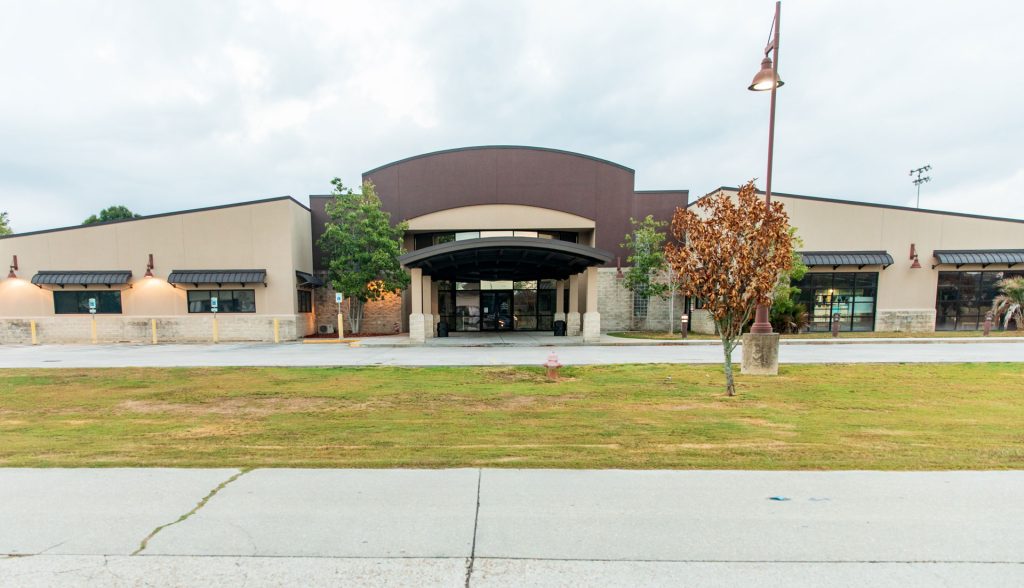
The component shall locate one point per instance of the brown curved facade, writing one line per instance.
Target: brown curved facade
(569, 182)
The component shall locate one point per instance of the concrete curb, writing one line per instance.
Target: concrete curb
(708, 342)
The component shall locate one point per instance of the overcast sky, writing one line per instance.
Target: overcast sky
(163, 106)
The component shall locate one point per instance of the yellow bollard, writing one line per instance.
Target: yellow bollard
(216, 335)
(32, 327)
(94, 330)
(277, 331)
(341, 327)
(152, 326)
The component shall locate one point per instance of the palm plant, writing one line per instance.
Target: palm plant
(1010, 303)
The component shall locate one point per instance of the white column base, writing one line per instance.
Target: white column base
(417, 324)
(559, 316)
(591, 327)
(428, 326)
(572, 324)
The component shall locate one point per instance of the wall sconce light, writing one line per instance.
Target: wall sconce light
(149, 267)
(618, 268)
(14, 266)
(915, 257)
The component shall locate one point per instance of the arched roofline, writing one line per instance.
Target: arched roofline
(481, 147)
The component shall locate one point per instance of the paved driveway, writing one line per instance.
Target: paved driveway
(510, 528)
(297, 354)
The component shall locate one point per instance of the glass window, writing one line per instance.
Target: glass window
(467, 235)
(229, 301)
(423, 240)
(484, 234)
(548, 284)
(525, 285)
(526, 234)
(963, 298)
(640, 302)
(305, 301)
(495, 284)
(443, 238)
(467, 311)
(107, 302)
(851, 295)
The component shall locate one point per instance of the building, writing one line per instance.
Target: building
(158, 277)
(499, 238)
(513, 238)
(893, 268)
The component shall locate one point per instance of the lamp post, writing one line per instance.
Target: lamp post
(768, 79)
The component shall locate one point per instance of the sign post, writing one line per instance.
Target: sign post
(214, 307)
(92, 312)
(341, 324)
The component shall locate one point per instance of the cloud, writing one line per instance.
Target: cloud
(164, 106)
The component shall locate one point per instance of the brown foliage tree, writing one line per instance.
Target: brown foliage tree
(731, 256)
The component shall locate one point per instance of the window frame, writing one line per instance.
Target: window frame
(304, 300)
(88, 294)
(188, 301)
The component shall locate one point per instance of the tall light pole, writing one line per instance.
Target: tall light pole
(920, 180)
(768, 79)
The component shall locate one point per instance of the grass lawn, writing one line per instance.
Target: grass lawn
(845, 335)
(944, 416)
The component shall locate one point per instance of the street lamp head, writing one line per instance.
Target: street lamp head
(766, 79)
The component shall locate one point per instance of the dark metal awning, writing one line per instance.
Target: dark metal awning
(838, 258)
(308, 280)
(984, 257)
(232, 276)
(505, 258)
(106, 278)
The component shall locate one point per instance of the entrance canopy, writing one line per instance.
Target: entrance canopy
(505, 258)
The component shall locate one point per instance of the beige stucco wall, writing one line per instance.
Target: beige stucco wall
(497, 217)
(272, 235)
(839, 226)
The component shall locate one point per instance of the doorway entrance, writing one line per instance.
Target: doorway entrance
(496, 311)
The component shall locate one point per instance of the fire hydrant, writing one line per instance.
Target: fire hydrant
(552, 365)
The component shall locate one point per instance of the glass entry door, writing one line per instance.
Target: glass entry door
(496, 311)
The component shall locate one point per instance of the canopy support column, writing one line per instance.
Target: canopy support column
(572, 318)
(591, 317)
(416, 318)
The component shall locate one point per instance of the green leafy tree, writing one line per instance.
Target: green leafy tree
(5, 224)
(648, 271)
(787, 315)
(1010, 302)
(111, 213)
(362, 247)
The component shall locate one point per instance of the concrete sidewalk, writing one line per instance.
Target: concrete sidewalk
(126, 527)
(297, 354)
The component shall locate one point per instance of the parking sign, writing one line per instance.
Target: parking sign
(213, 303)
(337, 297)
(92, 306)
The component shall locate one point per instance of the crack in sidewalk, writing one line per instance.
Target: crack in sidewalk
(476, 521)
(145, 541)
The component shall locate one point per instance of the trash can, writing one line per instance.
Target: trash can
(442, 329)
(559, 328)
(684, 324)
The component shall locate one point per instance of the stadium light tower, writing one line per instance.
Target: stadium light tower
(920, 179)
